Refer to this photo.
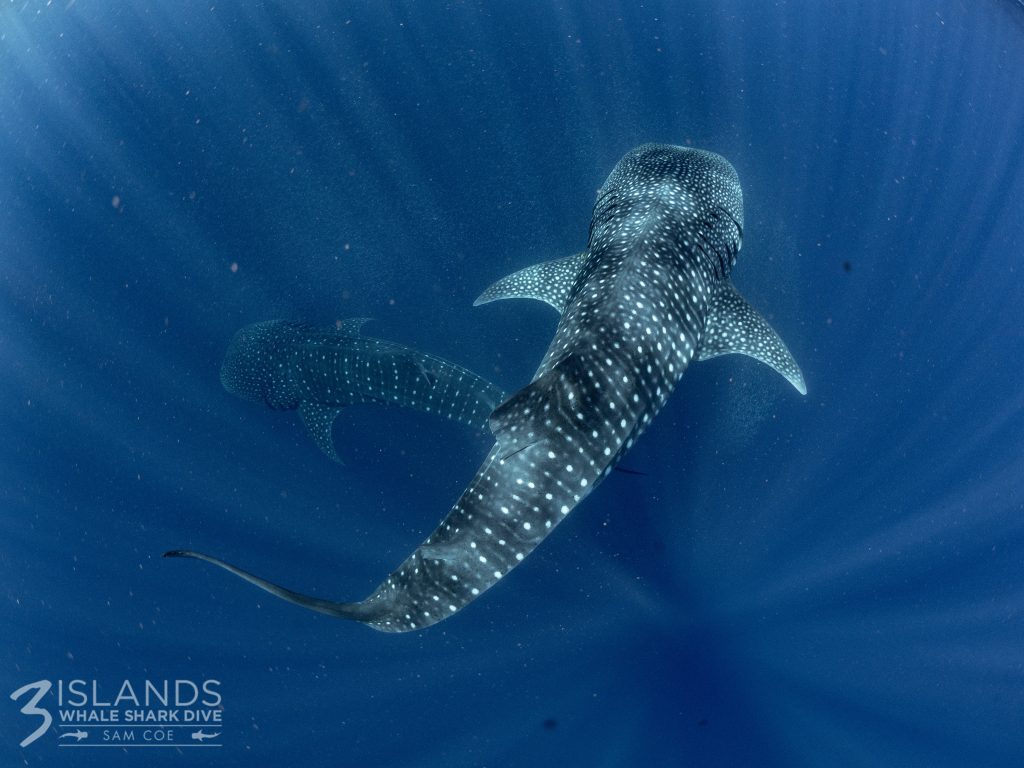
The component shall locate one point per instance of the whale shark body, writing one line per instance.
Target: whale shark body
(319, 371)
(650, 294)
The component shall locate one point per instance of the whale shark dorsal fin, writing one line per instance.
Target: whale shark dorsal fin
(733, 326)
(549, 281)
(318, 420)
(533, 413)
(353, 325)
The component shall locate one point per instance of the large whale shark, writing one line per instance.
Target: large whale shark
(650, 294)
(319, 371)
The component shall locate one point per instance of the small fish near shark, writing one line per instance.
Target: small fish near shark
(319, 371)
(651, 293)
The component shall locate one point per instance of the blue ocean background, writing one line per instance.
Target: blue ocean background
(834, 580)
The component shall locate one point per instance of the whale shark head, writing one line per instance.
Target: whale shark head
(694, 193)
(257, 366)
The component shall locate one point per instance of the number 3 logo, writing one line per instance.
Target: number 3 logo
(42, 687)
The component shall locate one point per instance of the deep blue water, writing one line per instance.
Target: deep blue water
(833, 580)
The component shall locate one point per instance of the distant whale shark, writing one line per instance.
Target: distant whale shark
(650, 293)
(319, 371)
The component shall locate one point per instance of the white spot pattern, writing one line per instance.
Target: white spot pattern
(287, 365)
(665, 232)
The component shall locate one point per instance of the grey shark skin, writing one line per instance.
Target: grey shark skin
(319, 371)
(650, 293)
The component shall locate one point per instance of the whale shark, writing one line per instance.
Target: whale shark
(319, 371)
(650, 294)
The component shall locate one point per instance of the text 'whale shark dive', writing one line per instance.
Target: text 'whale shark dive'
(319, 371)
(650, 293)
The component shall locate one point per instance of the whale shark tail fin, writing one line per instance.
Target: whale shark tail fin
(540, 407)
(735, 327)
(363, 612)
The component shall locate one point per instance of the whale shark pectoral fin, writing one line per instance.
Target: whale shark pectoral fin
(549, 281)
(353, 325)
(318, 420)
(733, 326)
(538, 409)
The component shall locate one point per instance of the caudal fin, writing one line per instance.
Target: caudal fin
(361, 612)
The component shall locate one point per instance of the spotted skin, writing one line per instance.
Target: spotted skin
(319, 371)
(549, 282)
(732, 326)
(664, 236)
(735, 327)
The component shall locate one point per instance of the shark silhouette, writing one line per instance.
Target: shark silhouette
(650, 294)
(77, 735)
(319, 371)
